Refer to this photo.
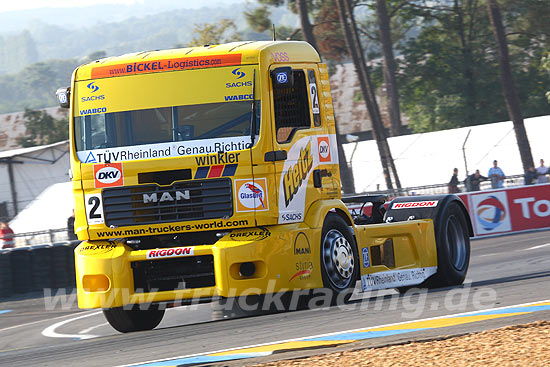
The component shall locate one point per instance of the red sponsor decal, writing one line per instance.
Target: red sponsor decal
(324, 149)
(216, 171)
(415, 204)
(170, 252)
(108, 175)
(155, 66)
(529, 207)
(300, 273)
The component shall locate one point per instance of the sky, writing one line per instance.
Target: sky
(6, 6)
(34, 4)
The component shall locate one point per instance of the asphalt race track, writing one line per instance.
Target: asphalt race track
(504, 271)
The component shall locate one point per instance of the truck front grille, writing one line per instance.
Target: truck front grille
(171, 274)
(182, 201)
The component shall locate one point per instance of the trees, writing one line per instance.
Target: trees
(390, 80)
(545, 61)
(508, 85)
(215, 33)
(258, 19)
(42, 128)
(355, 50)
(449, 73)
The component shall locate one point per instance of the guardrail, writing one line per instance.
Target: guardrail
(34, 268)
(438, 189)
(40, 237)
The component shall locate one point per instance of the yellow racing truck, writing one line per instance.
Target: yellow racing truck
(211, 172)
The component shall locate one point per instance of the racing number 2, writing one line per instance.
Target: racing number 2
(314, 96)
(94, 209)
(94, 202)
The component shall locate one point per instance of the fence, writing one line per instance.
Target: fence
(438, 189)
(41, 237)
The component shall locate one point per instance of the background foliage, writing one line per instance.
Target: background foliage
(445, 51)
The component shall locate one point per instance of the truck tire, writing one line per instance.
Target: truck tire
(135, 319)
(453, 247)
(339, 258)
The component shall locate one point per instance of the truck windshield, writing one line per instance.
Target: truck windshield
(165, 124)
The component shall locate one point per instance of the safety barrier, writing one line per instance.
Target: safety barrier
(34, 268)
(509, 210)
(439, 189)
(40, 237)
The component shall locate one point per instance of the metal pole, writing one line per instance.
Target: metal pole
(12, 186)
(464, 151)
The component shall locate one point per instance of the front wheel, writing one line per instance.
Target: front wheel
(134, 319)
(339, 258)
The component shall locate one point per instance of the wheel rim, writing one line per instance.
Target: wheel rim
(456, 243)
(338, 259)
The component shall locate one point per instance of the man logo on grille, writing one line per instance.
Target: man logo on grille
(166, 196)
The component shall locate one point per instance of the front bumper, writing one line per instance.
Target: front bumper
(111, 274)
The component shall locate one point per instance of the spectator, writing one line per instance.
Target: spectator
(474, 179)
(530, 176)
(453, 188)
(6, 236)
(70, 228)
(496, 175)
(542, 171)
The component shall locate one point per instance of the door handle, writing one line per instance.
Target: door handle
(318, 175)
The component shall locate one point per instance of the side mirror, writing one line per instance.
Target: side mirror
(64, 96)
(282, 77)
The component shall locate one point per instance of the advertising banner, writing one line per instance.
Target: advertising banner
(509, 210)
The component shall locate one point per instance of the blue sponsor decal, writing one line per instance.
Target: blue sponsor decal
(62, 98)
(366, 259)
(91, 158)
(92, 87)
(240, 97)
(238, 84)
(150, 66)
(91, 111)
(238, 74)
(282, 78)
(93, 98)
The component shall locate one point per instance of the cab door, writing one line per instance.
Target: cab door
(301, 140)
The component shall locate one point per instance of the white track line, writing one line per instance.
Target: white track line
(50, 330)
(537, 247)
(92, 328)
(36, 322)
(334, 333)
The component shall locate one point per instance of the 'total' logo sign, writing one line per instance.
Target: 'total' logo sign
(108, 175)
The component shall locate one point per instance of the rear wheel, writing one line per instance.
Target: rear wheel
(339, 258)
(133, 319)
(453, 247)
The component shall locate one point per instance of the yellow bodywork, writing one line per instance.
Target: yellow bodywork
(280, 265)
(279, 231)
